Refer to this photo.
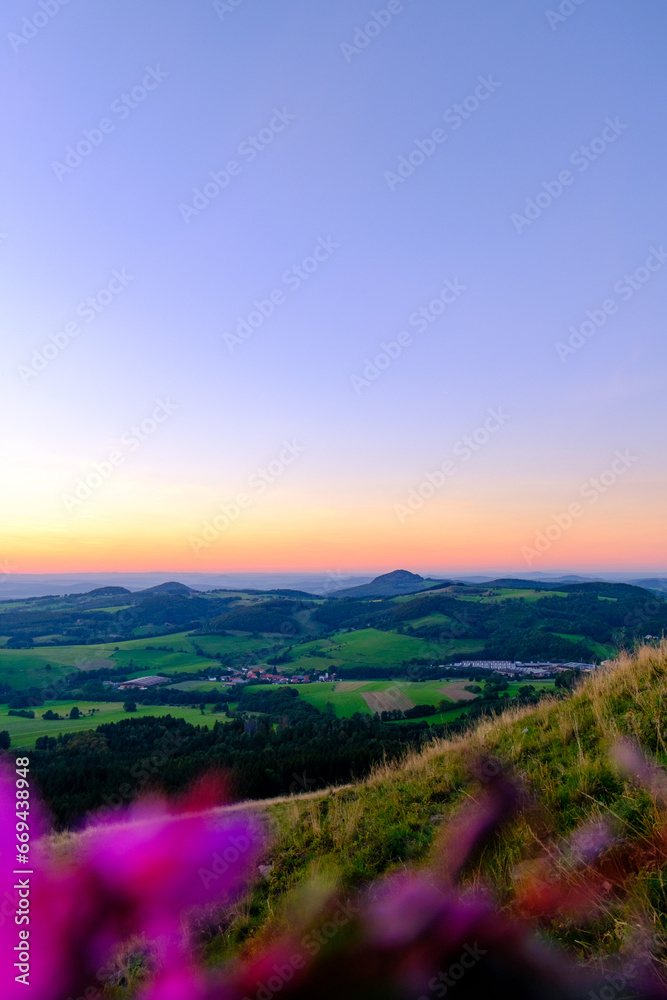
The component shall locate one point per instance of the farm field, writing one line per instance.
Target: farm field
(456, 713)
(433, 619)
(370, 647)
(233, 643)
(437, 719)
(24, 732)
(506, 594)
(140, 662)
(456, 690)
(347, 697)
(203, 686)
(21, 668)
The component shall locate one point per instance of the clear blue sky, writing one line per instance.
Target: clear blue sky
(338, 121)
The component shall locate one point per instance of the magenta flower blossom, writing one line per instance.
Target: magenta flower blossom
(136, 876)
(180, 982)
(152, 865)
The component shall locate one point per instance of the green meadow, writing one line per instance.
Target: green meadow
(204, 686)
(24, 668)
(24, 732)
(370, 647)
(506, 594)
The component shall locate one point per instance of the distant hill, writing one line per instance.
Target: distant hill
(289, 593)
(418, 620)
(603, 589)
(165, 608)
(107, 592)
(305, 594)
(400, 581)
(177, 589)
(569, 579)
(655, 583)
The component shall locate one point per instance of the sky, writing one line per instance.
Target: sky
(333, 287)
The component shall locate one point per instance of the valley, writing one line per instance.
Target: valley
(268, 684)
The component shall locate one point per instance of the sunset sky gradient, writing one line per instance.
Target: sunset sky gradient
(158, 437)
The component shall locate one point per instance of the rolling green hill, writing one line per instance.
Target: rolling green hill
(172, 629)
(400, 581)
(43, 666)
(373, 648)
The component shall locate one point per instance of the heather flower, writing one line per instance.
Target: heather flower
(137, 876)
(152, 865)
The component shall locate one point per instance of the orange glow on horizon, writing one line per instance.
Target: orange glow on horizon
(463, 537)
(159, 527)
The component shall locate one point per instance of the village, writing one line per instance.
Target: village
(258, 675)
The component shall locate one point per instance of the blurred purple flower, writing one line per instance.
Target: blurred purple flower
(137, 876)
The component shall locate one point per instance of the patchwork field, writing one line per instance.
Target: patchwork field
(346, 700)
(387, 701)
(456, 690)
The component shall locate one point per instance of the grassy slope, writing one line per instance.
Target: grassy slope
(600, 650)
(560, 749)
(370, 647)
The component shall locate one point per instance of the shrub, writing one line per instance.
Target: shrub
(19, 642)
(419, 711)
(568, 679)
